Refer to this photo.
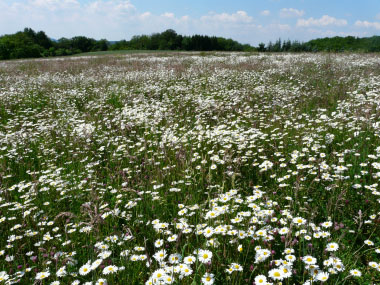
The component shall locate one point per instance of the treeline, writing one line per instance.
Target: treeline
(31, 44)
(170, 40)
(334, 44)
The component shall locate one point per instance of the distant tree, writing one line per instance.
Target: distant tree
(261, 47)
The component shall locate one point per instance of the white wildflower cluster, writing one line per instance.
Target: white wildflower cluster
(84, 130)
(184, 169)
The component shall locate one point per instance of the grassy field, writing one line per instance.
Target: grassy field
(190, 169)
(116, 52)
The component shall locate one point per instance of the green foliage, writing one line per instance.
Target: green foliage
(335, 44)
(31, 44)
(170, 40)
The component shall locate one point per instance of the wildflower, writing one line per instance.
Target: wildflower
(61, 271)
(286, 271)
(208, 279)
(158, 243)
(186, 271)
(309, 259)
(3, 276)
(276, 274)
(322, 276)
(105, 254)
(204, 256)
(260, 279)
(110, 269)
(236, 267)
(172, 238)
(175, 258)
(101, 281)
(299, 221)
(189, 259)
(355, 272)
(208, 232)
(85, 269)
(327, 224)
(160, 255)
(159, 275)
(42, 275)
(333, 246)
(290, 257)
(373, 264)
(96, 263)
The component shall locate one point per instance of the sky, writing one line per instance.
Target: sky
(247, 21)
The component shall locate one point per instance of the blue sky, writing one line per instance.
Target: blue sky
(248, 21)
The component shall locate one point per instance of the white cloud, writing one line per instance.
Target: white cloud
(168, 15)
(325, 20)
(117, 8)
(54, 4)
(291, 12)
(238, 17)
(119, 19)
(366, 24)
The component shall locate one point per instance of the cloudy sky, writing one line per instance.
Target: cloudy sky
(248, 21)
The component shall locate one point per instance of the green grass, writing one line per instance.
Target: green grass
(256, 160)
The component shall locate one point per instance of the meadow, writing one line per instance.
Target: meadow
(190, 168)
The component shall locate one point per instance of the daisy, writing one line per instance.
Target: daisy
(160, 255)
(186, 271)
(61, 272)
(276, 274)
(110, 269)
(322, 276)
(299, 221)
(309, 259)
(42, 275)
(355, 272)
(172, 238)
(208, 232)
(260, 279)
(159, 275)
(101, 281)
(85, 269)
(332, 246)
(204, 256)
(158, 243)
(286, 271)
(3, 276)
(236, 267)
(175, 258)
(373, 264)
(208, 279)
(189, 259)
(96, 263)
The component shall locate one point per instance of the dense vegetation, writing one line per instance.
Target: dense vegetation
(31, 44)
(335, 44)
(184, 169)
(170, 40)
